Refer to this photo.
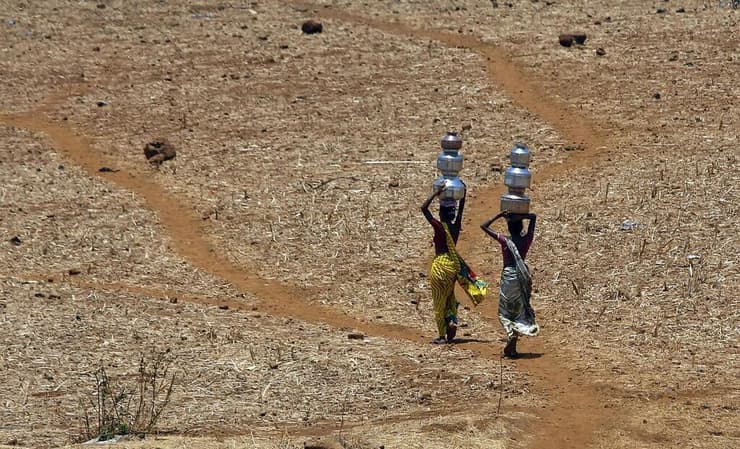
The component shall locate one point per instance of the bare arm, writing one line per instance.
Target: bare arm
(530, 228)
(460, 209)
(487, 223)
(425, 207)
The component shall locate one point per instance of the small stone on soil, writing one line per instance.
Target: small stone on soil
(158, 151)
(312, 27)
(16, 241)
(566, 40)
(600, 51)
(356, 336)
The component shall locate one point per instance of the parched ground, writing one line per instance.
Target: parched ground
(278, 263)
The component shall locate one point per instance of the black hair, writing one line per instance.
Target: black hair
(515, 227)
(447, 213)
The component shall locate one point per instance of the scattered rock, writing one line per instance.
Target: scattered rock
(312, 27)
(39, 295)
(580, 38)
(101, 5)
(107, 170)
(356, 336)
(673, 56)
(600, 51)
(73, 271)
(16, 241)
(566, 40)
(656, 95)
(173, 300)
(681, 10)
(425, 396)
(102, 104)
(661, 11)
(159, 151)
(203, 15)
(394, 183)
(629, 225)
(223, 307)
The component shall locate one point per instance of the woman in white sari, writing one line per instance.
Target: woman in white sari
(514, 309)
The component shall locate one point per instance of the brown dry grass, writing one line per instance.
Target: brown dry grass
(275, 131)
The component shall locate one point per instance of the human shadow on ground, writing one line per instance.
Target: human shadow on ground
(462, 341)
(528, 355)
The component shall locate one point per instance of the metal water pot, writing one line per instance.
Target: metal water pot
(515, 204)
(520, 156)
(455, 188)
(450, 163)
(517, 178)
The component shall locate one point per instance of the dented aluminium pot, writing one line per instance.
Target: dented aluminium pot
(450, 163)
(517, 179)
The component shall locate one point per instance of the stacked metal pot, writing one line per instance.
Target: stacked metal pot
(450, 163)
(517, 178)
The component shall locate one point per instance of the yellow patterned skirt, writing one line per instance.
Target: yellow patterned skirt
(442, 277)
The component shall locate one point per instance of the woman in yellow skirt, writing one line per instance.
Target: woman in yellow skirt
(446, 266)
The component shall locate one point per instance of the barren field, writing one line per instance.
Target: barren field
(269, 283)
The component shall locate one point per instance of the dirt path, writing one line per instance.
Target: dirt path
(577, 412)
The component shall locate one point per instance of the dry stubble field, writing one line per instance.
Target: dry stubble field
(281, 267)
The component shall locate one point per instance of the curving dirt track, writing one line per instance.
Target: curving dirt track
(576, 415)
